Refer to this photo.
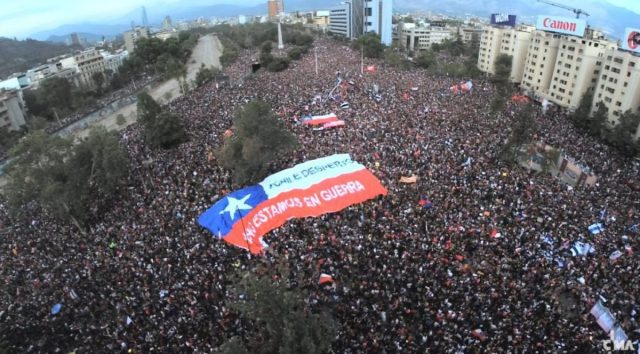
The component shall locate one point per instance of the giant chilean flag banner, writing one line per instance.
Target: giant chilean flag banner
(312, 188)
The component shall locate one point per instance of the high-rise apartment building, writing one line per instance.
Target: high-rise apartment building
(364, 16)
(539, 65)
(378, 18)
(414, 38)
(500, 39)
(130, 37)
(12, 110)
(618, 87)
(340, 21)
(577, 67)
(85, 64)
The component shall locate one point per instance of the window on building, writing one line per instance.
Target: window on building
(632, 64)
(617, 60)
(626, 84)
(618, 103)
(609, 57)
(368, 11)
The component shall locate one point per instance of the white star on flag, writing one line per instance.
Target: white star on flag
(236, 205)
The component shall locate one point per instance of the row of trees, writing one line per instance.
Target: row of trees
(255, 35)
(621, 135)
(440, 58)
(65, 177)
(58, 98)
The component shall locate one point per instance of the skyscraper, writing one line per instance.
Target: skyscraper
(377, 18)
(145, 20)
(75, 39)
(275, 7)
(166, 23)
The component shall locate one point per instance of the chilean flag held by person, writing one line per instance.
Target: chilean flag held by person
(312, 188)
(317, 120)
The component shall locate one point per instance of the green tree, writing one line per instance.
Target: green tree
(473, 48)
(283, 320)
(278, 64)
(260, 136)
(98, 79)
(371, 45)
(598, 121)
(167, 131)
(624, 132)
(426, 59)
(265, 59)
(148, 109)
(580, 117)
(266, 47)
(62, 177)
(550, 159)
(161, 129)
(393, 58)
(502, 71)
(522, 130)
(120, 119)
(295, 53)
(205, 75)
(54, 94)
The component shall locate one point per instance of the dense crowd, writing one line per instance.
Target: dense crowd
(408, 279)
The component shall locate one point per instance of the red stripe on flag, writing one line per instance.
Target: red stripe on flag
(330, 195)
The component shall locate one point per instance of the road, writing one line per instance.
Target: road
(207, 52)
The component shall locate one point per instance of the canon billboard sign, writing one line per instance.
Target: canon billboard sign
(565, 25)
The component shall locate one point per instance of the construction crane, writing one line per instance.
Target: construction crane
(578, 12)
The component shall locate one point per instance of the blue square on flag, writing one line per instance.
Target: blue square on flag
(224, 214)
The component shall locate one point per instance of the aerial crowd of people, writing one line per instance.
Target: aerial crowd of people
(485, 266)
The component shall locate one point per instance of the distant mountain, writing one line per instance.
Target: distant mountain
(89, 37)
(92, 29)
(18, 56)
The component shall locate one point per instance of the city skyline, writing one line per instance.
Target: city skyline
(23, 19)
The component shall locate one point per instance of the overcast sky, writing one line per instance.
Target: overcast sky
(21, 18)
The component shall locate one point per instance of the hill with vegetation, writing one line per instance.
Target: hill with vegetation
(17, 56)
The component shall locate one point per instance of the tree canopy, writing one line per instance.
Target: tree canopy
(64, 177)
(161, 128)
(259, 137)
(371, 45)
(284, 322)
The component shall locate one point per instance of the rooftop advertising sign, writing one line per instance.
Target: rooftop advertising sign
(631, 40)
(503, 20)
(565, 25)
